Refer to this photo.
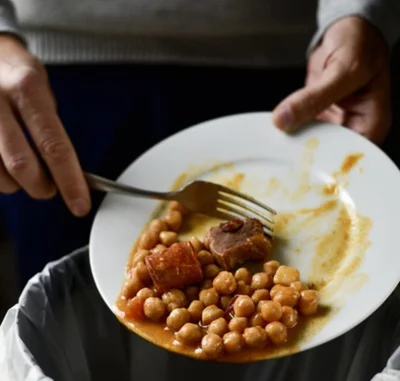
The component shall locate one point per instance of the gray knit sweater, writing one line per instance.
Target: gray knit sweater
(263, 33)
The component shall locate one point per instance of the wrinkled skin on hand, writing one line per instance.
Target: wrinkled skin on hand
(27, 105)
(348, 83)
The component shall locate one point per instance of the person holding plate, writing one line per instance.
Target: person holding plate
(91, 84)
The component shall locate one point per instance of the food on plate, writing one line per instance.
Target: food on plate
(201, 294)
(174, 267)
(236, 241)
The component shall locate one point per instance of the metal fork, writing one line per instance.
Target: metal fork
(200, 197)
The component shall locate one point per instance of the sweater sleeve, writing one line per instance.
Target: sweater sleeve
(383, 14)
(8, 19)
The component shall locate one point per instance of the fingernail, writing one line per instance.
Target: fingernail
(284, 118)
(80, 207)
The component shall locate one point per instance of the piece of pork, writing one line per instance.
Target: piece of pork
(175, 267)
(236, 241)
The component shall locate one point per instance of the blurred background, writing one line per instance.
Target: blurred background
(10, 289)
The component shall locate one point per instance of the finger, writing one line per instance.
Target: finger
(37, 108)
(372, 120)
(333, 114)
(7, 184)
(19, 159)
(369, 111)
(311, 78)
(336, 82)
(315, 65)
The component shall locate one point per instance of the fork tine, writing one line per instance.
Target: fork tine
(232, 192)
(219, 213)
(229, 208)
(244, 206)
(227, 216)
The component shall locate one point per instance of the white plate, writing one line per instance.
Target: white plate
(287, 172)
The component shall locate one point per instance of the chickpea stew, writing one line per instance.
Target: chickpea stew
(198, 298)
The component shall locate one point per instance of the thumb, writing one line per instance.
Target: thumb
(336, 82)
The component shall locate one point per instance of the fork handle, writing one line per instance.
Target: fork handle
(105, 185)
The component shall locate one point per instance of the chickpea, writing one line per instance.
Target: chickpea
(260, 281)
(277, 332)
(168, 238)
(140, 255)
(233, 342)
(308, 302)
(209, 296)
(257, 320)
(177, 206)
(196, 308)
(131, 273)
(260, 304)
(132, 286)
(255, 337)
(192, 293)
(197, 244)
(211, 313)
(205, 257)
(299, 286)
(212, 345)
(286, 275)
(211, 271)
(243, 288)
(154, 308)
(224, 283)
(143, 273)
(159, 248)
(286, 296)
(148, 240)
(271, 311)
(275, 289)
(190, 334)
(174, 298)
(157, 226)
(219, 327)
(172, 306)
(243, 275)
(270, 267)
(178, 318)
(225, 300)
(145, 293)
(134, 309)
(243, 306)
(261, 294)
(238, 324)
(289, 316)
(206, 284)
(174, 220)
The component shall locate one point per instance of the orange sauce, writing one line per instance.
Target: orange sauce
(332, 249)
(348, 163)
(236, 181)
